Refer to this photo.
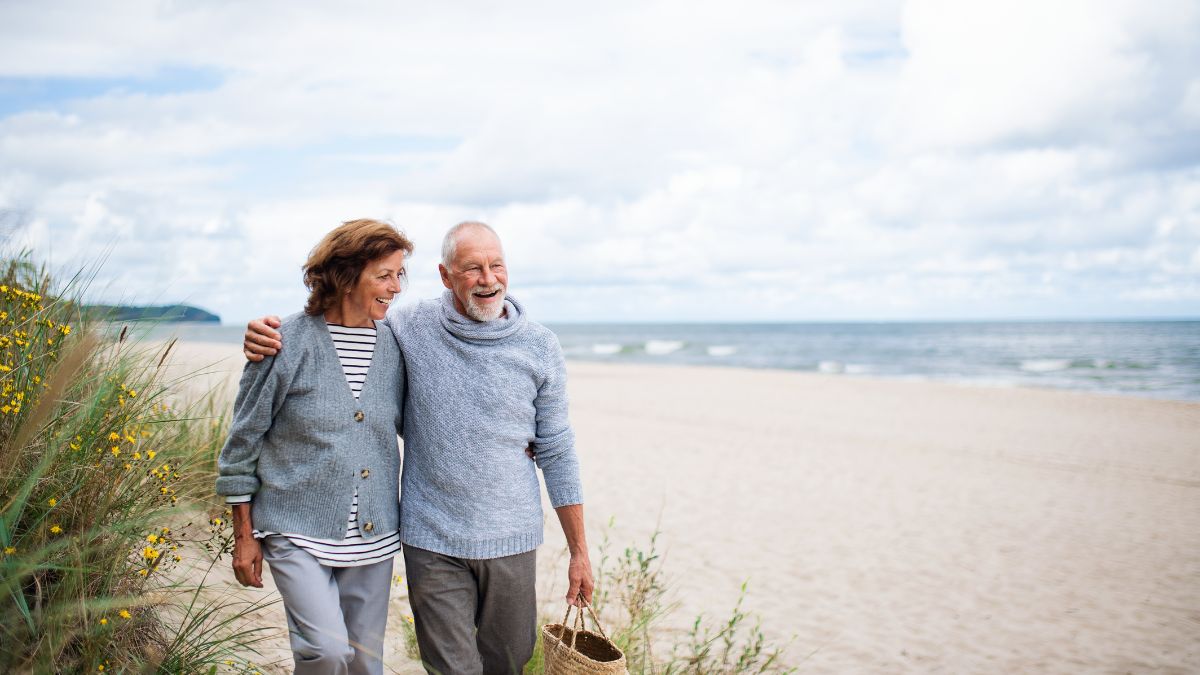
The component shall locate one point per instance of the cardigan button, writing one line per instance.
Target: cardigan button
(368, 526)
(366, 473)
(358, 416)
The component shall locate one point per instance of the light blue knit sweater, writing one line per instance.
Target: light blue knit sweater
(478, 394)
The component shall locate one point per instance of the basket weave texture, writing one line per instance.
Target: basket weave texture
(575, 651)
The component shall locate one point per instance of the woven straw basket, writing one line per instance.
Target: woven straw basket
(575, 651)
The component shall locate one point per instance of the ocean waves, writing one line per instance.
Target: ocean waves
(1146, 358)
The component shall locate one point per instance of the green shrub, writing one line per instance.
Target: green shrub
(97, 475)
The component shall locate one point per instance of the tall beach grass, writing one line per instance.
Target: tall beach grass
(104, 487)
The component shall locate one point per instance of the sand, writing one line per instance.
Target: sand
(891, 526)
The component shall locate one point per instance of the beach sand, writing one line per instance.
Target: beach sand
(889, 526)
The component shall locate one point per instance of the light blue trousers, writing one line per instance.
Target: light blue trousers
(336, 615)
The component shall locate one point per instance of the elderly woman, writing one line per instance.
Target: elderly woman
(311, 464)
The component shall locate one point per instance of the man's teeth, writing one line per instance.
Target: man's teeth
(486, 295)
(383, 301)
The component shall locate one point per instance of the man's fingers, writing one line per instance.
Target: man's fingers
(258, 572)
(272, 321)
(573, 591)
(254, 339)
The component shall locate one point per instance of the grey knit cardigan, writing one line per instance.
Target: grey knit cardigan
(300, 443)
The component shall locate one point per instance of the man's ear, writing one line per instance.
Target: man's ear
(445, 276)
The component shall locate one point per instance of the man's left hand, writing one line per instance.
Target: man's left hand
(579, 579)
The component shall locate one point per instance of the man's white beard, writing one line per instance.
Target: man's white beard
(477, 311)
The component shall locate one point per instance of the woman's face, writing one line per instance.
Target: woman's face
(378, 284)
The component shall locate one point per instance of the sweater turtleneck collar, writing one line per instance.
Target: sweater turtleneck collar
(471, 330)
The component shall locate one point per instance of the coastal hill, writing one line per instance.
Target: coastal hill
(150, 313)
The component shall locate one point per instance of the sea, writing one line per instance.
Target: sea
(1157, 359)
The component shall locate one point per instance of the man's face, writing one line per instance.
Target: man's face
(477, 276)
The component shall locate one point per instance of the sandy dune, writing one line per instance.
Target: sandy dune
(893, 526)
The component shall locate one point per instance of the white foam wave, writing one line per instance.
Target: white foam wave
(661, 347)
(721, 350)
(857, 369)
(606, 348)
(831, 367)
(1045, 365)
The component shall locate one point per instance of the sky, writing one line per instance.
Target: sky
(642, 161)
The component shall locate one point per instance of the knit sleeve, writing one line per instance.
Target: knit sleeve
(261, 393)
(554, 443)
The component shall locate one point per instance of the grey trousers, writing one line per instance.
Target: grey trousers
(336, 615)
(473, 617)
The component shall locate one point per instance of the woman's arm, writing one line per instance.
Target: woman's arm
(261, 393)
(247, 551)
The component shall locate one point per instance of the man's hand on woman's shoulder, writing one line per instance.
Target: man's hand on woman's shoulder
(262, 339)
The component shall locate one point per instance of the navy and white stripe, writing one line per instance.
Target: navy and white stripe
(355, 347)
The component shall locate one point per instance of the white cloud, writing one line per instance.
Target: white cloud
(643, 160)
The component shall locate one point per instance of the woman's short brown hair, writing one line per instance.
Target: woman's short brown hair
(337, 261)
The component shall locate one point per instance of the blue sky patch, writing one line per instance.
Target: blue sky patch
(22, 94)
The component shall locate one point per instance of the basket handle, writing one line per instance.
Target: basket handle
(578, 623)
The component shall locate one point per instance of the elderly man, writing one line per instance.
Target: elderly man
(485, 383)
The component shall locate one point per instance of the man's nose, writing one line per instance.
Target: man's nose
(487, 277)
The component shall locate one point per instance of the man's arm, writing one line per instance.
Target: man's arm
(262, 339)
(554, 453)
(579, 571)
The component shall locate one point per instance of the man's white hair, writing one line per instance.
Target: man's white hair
(450, 241)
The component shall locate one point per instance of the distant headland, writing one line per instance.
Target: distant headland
(172, 313)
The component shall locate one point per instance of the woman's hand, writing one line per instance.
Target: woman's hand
(247, 551)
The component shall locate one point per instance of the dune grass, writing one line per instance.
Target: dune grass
(99, 476)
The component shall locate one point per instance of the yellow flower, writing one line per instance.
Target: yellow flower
(150, 553)
(408, 619)
(100, 667)
(166, 530)
(115, 451)
(153, 538)
(143, 572)
(217, 522)
(9, 550)
(150, 454)
(132, 393)
(103, 622)
(53, 502)
(74, 446)
(55, 529)
(114, 436)
(125, 614)
(137, 455)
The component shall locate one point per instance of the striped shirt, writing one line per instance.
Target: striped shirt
(354, 346)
